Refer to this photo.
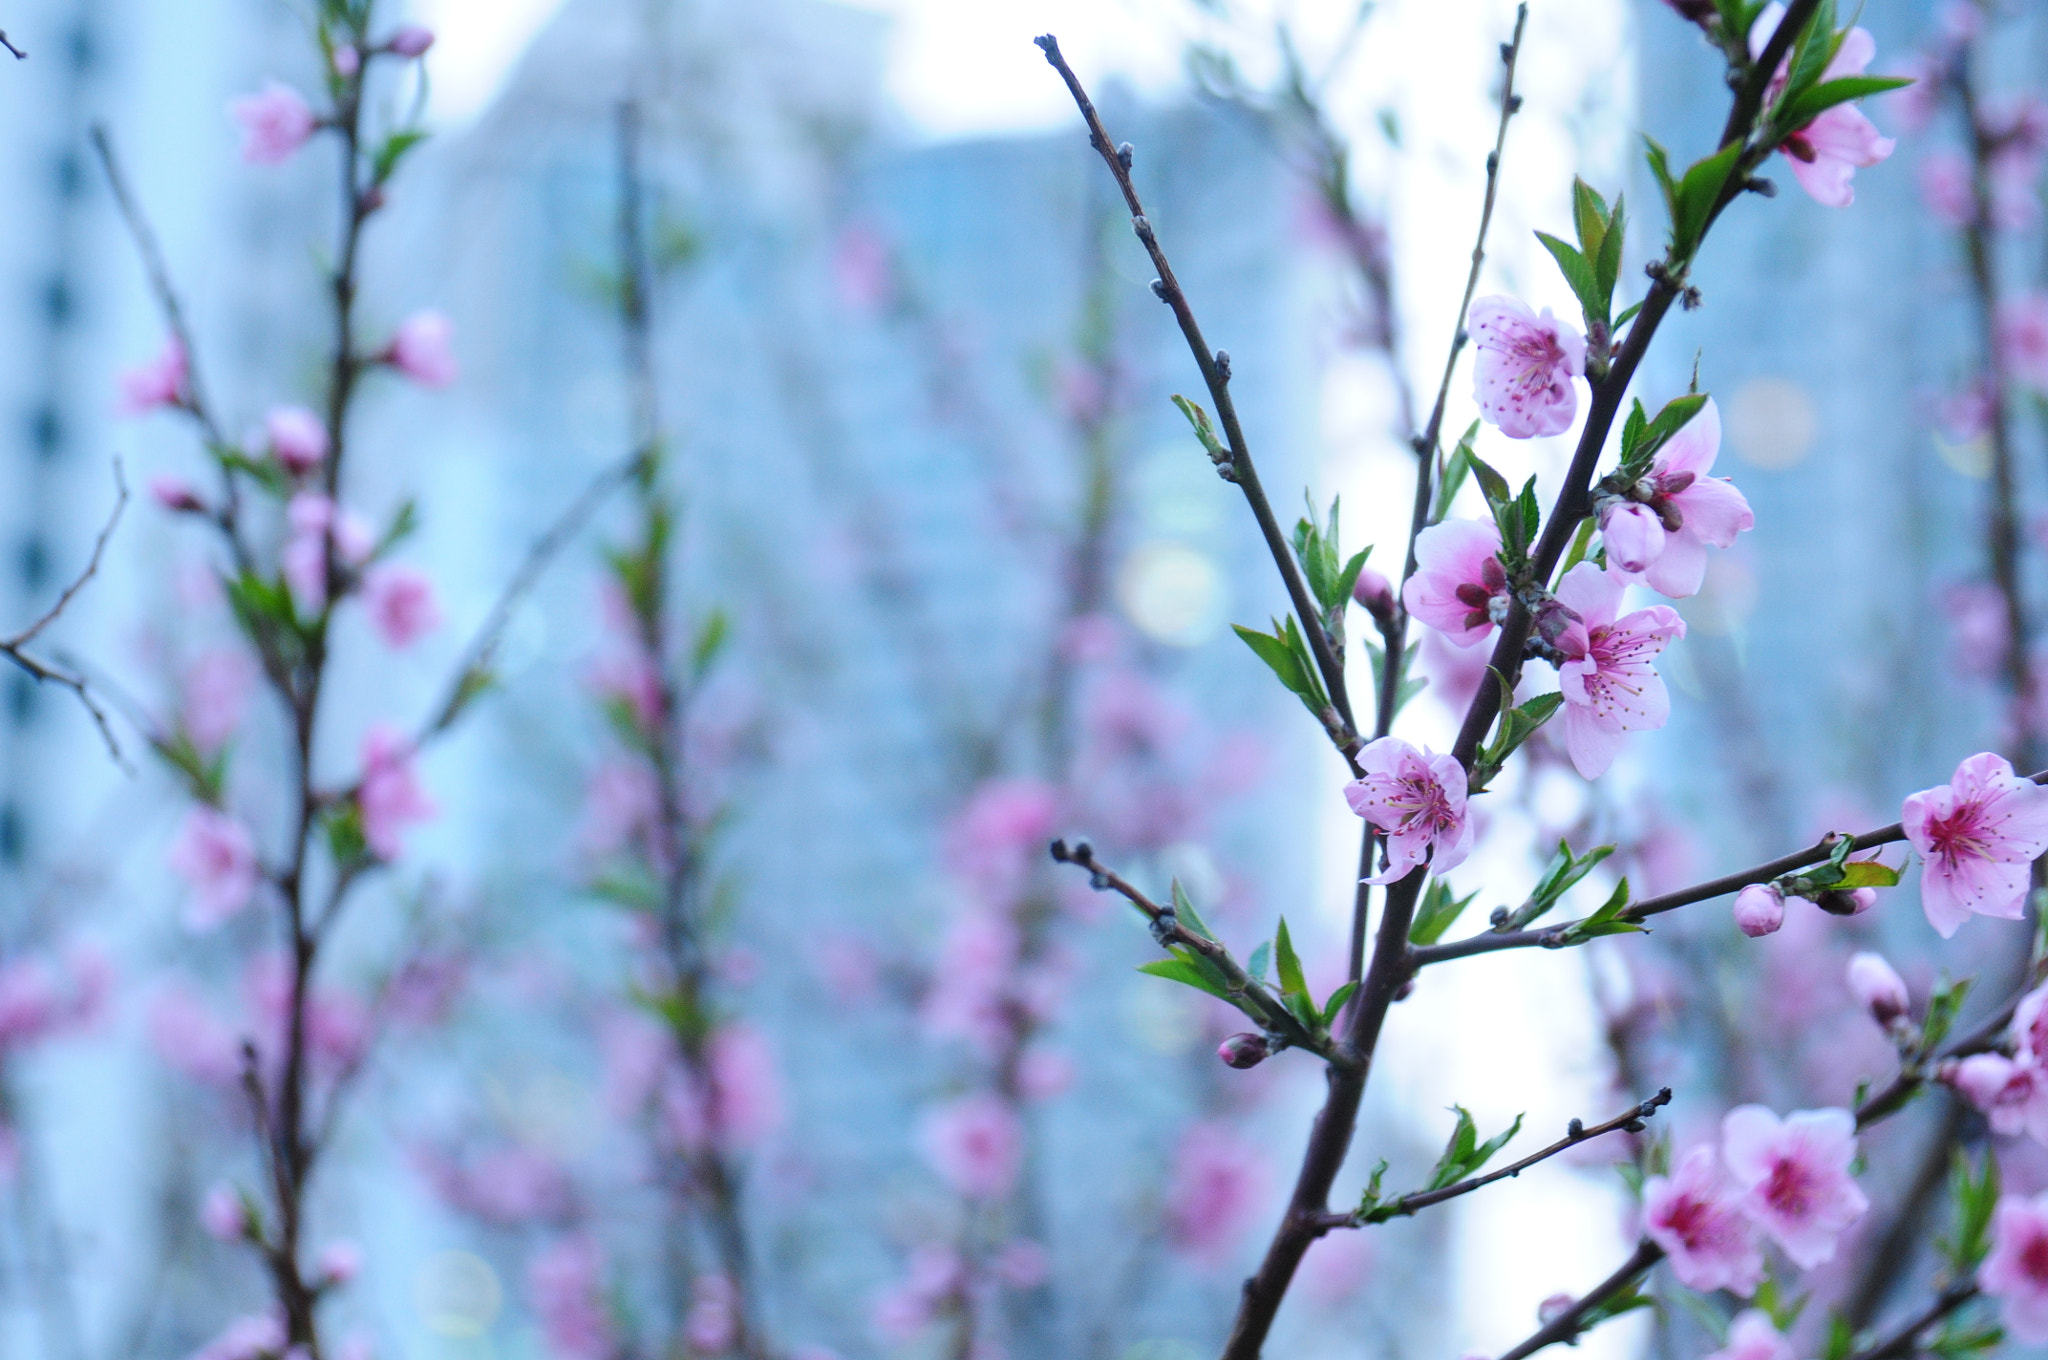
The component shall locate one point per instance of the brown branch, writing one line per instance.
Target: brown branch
(1904, 1341)
(1567, 1325)
(19, 55)
(1576, 1133)
(1215, 368)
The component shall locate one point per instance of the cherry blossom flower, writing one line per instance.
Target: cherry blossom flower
(159, 383)
(1878, 988)
(999, 836)
(713, 1322)
(2016, 1271)
(1694, 1216)
(1827, 152)
(512, 1187)
(390, 795)
(216, 854)
(1218, 1185)
(190, 1038)
(176, 495)
(223, 1215)
(339, 1262)
(401, 603)
(1455, 673)
(745, 1104)
(422, 349)
(1977, 834)
(565, 1286)
(1978, 627)
(1374, 593)
(313, 518)
(1753, 1336)
(1459, 587)
(276, 121)
(1524, 366)
(1946, 188)
(297, 438)
(1043, 1073)
(976, 1144)
(1759, 910)
(255, 1337)
(2012, 1096)
(1418, 799)
(411, 40)
(621, 806)
(1795, 1176)
(933, 1280)
(2021, 327)
(1664, 537)
(215, 697)
(1609, 688)
(348, 61)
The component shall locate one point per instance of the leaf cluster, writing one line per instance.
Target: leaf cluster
(1559, 877)
(1594, 266)
(1516, 725)
(1329, 576)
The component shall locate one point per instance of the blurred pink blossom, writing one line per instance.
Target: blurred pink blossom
(1976, 835)
(1523, 367)
(191, 1038)
(976, 1144)
(1878, 988)
(176, 495)
(713, 1322)
(1794, 1173)
(222, 1213)
(1947, 189)
(1022, 1264)
(276, 121)
(1001, 833)
(1337, 1268)
(1418, 799)
(390, 795)
(862, 269)
(340, 1262)
(1976, 616)
(1609, 687)
(259, 1336)
(509, 1186)
(298, 439)
(1753, 1336)
(932, 1280)
(1217, 1186)
(1455, 673)
(422, 348)
(216, 854)
(971, 985)
(632, 679)
(2021, 326)
(2016, 1271)
(215, 697)
(1694, 1216)
(1043, 1073)
(2012, 1096)
(621, 806)
(401, 603)
(411, 40)
(160, 382)
(348, 61)
(1458, 583)
(565, 1288)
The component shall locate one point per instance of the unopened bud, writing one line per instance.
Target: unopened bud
(1759, 910)
(176, 495)
(1846, 902)
(1553, 1308)
(347, 61)
(1243, 1050)
(222, 1214)
(413, 40)
(1374, 593)
(1878, 988)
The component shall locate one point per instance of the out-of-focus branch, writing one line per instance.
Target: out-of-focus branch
(15, 648)
(1905, 1341)
(1568, 1324)
(19, 55)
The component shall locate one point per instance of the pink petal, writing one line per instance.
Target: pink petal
(1590, 593)
(1715, 512)
(1680, 569)
(1592, 745)
(1696, 444)
(1827, 181)
(1854, 56)
(1749, 1135)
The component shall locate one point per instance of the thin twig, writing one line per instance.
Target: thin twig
(1216, 376)
(1576, 1133)
(1566, 1325)
(1904, 1341)
(19, 55)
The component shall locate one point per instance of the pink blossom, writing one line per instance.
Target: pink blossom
(390, 795)
(1459, 586)
(401, 603)
(1759, 910)
(1878, 988)
(509, 1186)
(632, 679)
(216, 693)
(313, 519)
(1523, 371)
(1000, 835)
(1337, 1267)
(1216, 1188)
(176, 495)
(862, 270)
(713, 1322)
(1978, 627)
(976, 1144)
(411, 40)
(30, 1006)
(1244, 1050)
(160, 382)
(1976, 834)
(1374, 593)
(276, 121)
(348, 62)
(2016, 1271)
(622, 805)
(256, 1337)
(1947, 188)
(746, 1089)
(1694, 1216)
(1753, 1336)
(1418, 799)
(1665, 536)
(340, 1262)
(1043, 1073)
(1455, 673)
(192, 1039)
(972, 987)
(933, 1281)
(223, 1215)
(298, 439)
(1022, 1264)
(2012, 1096)
(1795, 1176)
(2022, 330)
(216, 854)
(421, 349)
(565, 1287)
(1827, 152)
(1609, 687)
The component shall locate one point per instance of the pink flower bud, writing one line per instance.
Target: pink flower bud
(1759, 910)
(175, 494)
(340, 1262)
(1243, 1050)
(297, 439)
(1634, 536)
(1553, 1308)
(1878, 988)
(420, 349)
(413, 40)
(276, 122)
(222, 1214)
(1373, 592)
(347, 61)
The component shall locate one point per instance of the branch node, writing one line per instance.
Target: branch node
(1124, 155)
(1223, 363)
(19, 55)
(1159, 290)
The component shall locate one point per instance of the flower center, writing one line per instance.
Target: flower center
(1958, 835)
(2034, 1259)
(1791, 1190)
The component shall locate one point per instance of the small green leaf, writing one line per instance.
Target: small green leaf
(1336, 1002)
(1795, 113)
(1455, 472)
(1450, 1166)
(1579, 273)
(1204, 431)
(1841, 1342)
(1184, 971)
(1277, 655)
(393, 150)
(1660, 167)
(1438, 913)
(1607, 264)
(1694, 199)
(1589, 217)
(1491, 483)
(1627, 313)
(1184, 911)
(1868, 873)
(711, 640)
(1262, 958)
(1292, 981)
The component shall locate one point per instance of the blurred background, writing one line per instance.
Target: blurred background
(978, 580)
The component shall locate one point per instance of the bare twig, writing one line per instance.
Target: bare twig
(1576, 1133)
(19, 55)
(1568, 1324)
(1215, 367)
(1905, 1341)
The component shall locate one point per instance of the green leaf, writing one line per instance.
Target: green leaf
(343, 824)
(1626, 313)
(1660, 167)
(1187, 972)
(1943, 1005)
(711, 639)
(1450, 1166)
(1262, 958)
(1348, 578)
(1868, 873)
(1607, 263)
(1485, 1151)
(391, 152)
(1491, 483)
(1579, 273)
(1438, 913)
(1277, 655)
(1455, 472)
(1841, 1342)
(1204, 431)
(1336, 1002)
(1516, 725)
(1974, 1196)
(634, 889)
(1582, 540)
(1812, 52)
(1184, 911)
(1641, 439)
(1292, 981)
(1795, 113)
(1559, 877)
(1589, 217)
(1692, 202)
